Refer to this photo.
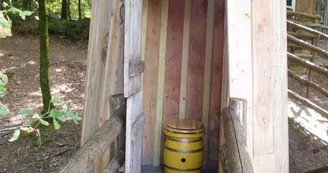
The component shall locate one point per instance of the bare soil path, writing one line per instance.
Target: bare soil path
(19, 59)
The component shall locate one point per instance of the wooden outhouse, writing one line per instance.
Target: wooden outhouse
(150, 61)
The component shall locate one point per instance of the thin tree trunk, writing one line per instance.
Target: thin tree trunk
(25, 4)
(44, 57)
(64, 10)
(69, 9)
(80, 10)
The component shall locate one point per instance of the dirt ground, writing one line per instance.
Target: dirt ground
(19, 59)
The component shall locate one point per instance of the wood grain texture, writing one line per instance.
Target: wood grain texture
(196, 61)
(173, 59)
(216, 82)
(150, 78)
(263, 55)
(207, 76)
(97, 60)
(160, 84)
(305, 6)
(240, 59)
(133, 144)
(85, 158)
(280, 97)
(184, 61)
(132, 44)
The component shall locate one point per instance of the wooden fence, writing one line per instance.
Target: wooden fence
(233, 154)
(297, 40)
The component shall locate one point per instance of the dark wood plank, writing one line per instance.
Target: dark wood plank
(196, 62)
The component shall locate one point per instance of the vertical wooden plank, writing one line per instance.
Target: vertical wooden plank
(116, 51)
(263, 49)
(280, 88)
(113, 80)
(97, 59)
(133, 140)
(239, 30)
(216, 85)
(196, 59)
(160, 83)
(184, 61)
(144, 31)
(132, 44)
(173, 59)
(150, 78)
(207, 77)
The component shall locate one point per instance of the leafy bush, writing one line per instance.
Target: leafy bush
(73, 30)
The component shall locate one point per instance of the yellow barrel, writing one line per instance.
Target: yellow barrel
(183, 148)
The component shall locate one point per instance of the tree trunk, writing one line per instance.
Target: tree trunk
(80, 10)
(69, 9)
(64, 10)
(44, 58)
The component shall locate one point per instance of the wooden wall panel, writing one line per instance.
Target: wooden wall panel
(257, 72)
(197, 42)
(216, 82)
(150, 77)
(177, 39)
(173, 59)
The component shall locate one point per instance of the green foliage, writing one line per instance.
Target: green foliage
(15, 135)
(34, 119)
(73, 30)
(3, 82)
(5, 21)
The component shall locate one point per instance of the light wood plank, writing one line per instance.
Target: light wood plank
(196, 59)
(240, 57)
(160, 84)
(263, 55)
(132, 44)
(97, 59)
(133, 143)
(184, 63)
(150, 78)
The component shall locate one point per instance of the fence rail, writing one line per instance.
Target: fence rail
(234, 156)
(87, 156)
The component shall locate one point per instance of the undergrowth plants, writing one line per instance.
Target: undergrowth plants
(60, 113)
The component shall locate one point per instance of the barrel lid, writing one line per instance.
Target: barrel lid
(185, 126)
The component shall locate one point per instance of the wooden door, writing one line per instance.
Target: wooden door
(133, 68)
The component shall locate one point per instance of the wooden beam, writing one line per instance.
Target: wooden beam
(84, 159)
(160, 84)
(308, 46)
(280, 82)
(295, 96)
(96, 68)
(300, 14)
(302, 35)
(238, 159)
(308, 83)
(310, 30)
(307, 64)
(263, 41)
(239, 37)
(207, 77)
(184, 62)
(150, 79)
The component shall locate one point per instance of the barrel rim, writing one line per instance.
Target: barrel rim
(182, 170)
